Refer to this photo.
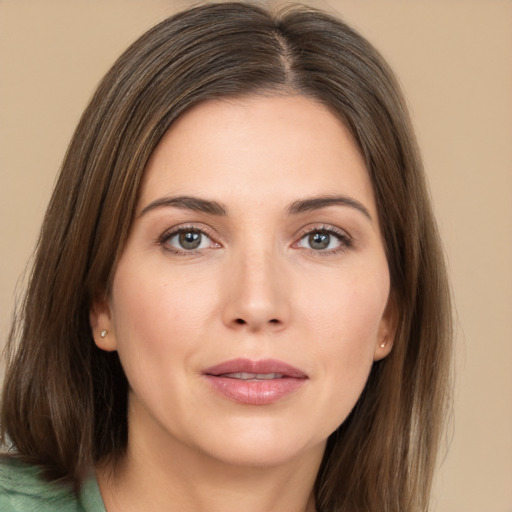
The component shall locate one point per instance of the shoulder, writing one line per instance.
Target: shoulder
(22, 489)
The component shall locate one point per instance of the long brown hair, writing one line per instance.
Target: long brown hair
(64, 400)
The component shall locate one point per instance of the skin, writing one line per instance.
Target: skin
(255, 288)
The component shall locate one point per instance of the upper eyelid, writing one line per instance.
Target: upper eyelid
(187, 226)
(324, 227)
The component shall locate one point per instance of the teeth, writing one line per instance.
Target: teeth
(253, 376)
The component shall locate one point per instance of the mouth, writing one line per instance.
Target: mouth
(252, 376)
(255, 382)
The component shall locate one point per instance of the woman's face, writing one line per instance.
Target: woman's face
(250, 301)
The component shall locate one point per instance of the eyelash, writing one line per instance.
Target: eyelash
(346, 242)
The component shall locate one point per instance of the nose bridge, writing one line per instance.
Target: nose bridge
(257, 296)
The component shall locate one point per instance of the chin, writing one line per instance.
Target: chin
(262, 446)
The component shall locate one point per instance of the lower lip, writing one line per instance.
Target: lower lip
(255, 392)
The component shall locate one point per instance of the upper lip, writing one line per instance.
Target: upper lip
(262, 366)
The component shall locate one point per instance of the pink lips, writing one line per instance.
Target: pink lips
(255, 382)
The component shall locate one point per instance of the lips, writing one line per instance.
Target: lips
(255, 382)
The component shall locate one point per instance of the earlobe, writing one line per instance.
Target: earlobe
(387, 330)
(100, 319)
(383, 349)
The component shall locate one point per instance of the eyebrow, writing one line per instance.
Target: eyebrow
(188, 203)
(315, 203)
(214, 208)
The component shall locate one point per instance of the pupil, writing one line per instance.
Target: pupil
(319, 240)
(190, 239)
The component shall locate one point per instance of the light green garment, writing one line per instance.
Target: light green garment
(23, 490)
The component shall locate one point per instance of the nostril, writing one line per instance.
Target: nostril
(241, 321)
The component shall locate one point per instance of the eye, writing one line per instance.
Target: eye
(187, 240)
(324, 239)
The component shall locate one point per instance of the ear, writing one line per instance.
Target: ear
(387, 330)
(102, 326)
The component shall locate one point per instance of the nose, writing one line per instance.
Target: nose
(257, 293)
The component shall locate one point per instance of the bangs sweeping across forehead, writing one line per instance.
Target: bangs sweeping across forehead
(64, 401)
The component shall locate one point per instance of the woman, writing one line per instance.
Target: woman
(239, 297)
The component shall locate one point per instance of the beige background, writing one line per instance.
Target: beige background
(454, 59)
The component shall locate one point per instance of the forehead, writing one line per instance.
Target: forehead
(249, 147)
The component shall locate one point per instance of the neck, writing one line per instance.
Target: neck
(135, 484)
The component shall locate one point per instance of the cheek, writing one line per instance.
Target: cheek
(348, 339)
(346, 328)
(348, 313)
(157, 316)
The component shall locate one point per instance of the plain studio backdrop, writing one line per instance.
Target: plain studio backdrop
(454, 60)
